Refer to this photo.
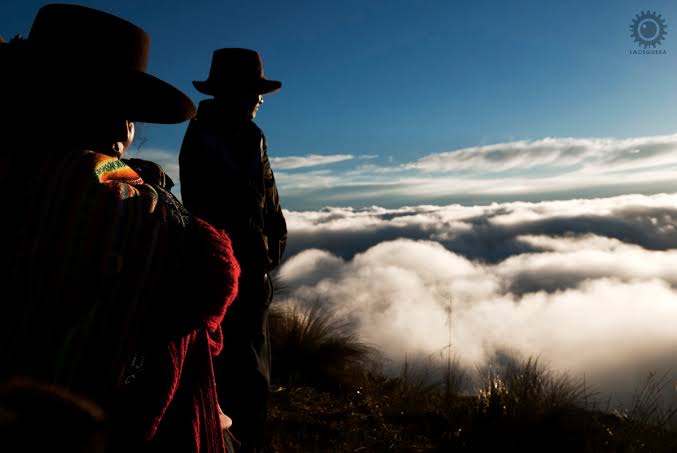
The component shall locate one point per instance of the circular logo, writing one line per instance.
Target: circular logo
(648, 29)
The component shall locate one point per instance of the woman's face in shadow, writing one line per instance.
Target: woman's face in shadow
(108, 136)
(124, 145)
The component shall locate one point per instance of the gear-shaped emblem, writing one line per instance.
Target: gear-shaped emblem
(648, 29)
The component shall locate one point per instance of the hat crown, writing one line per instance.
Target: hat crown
(236, 64)
(236, 69)
(86, 37)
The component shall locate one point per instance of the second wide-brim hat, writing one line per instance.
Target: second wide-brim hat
(236, 70)
(91, 59)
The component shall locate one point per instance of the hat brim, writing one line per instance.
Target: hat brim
(151, 100)
(130, 93)
(125, 93)
(262, 86)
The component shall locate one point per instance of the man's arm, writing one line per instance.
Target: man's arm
(275, 225)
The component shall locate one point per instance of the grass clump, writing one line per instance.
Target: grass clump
(312, 347)
(648, 424)
(436, 406)
(523, 406)
(524, 388)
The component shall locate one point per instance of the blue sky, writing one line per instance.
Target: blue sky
(380, 85)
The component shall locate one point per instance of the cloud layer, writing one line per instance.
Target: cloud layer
(558, 168)
(490, 232)
(590, 286)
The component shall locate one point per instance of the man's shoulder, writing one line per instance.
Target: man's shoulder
(224, 127)
(254, 129)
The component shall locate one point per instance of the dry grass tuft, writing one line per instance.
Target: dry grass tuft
(312, 347)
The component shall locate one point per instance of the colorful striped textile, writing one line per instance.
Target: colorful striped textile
(99, 271)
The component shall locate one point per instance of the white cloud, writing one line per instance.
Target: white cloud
(167, 160)
(310, 160)
(568, 261)
(396, 294)
(589, 286)
(512, 170)
(490, 232)
(597, 155)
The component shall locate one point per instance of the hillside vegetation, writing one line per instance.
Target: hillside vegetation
(329, 395)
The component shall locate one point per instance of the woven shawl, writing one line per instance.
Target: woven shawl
(96, 272)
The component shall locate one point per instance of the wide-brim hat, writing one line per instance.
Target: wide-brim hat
(93, 59)
(235, 70)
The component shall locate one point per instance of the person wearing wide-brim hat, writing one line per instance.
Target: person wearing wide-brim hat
(97, 262)
(236, 70)
(226, 179)
(83, 58)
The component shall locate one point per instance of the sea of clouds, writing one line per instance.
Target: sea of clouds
(588, 285)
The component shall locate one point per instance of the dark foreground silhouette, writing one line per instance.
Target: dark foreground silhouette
(226, 179)
(111, 290)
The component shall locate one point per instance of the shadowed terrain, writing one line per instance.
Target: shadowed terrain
(343, 402)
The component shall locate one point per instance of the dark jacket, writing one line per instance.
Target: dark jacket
(226, 179)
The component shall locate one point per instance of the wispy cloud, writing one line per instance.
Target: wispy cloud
(565, 155)
(169, 161)
(310, 160)
(513, 170)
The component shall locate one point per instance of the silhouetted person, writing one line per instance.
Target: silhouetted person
(226, 179)
(110, 289)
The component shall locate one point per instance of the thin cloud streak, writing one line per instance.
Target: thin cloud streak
(167, 160)
(310, 160)
(564, 154)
